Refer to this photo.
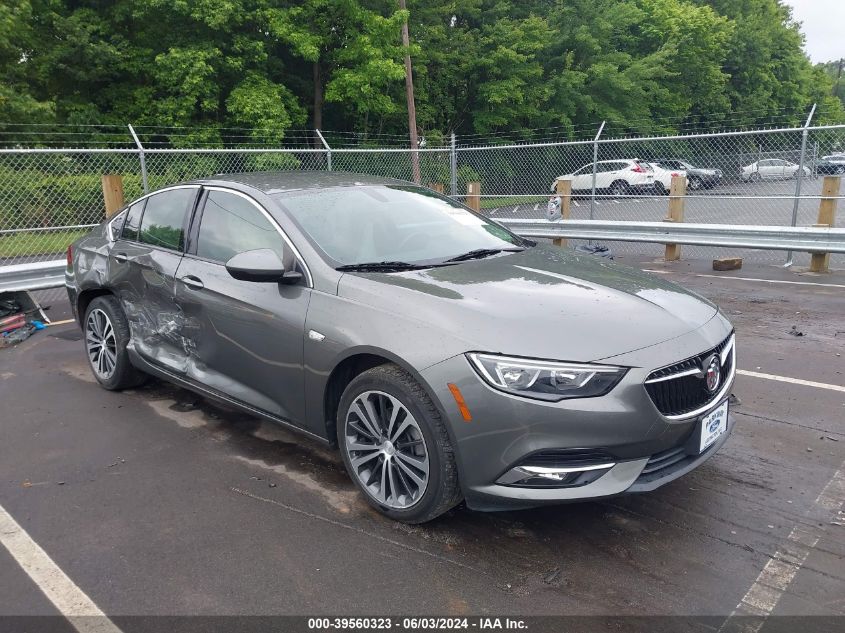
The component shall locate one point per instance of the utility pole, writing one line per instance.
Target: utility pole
(836, 92)
(409, 92)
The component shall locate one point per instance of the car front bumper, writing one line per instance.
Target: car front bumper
(624, 425)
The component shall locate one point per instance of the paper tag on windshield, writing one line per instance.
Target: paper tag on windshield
(553, 209)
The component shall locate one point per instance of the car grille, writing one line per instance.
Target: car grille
(680, 388)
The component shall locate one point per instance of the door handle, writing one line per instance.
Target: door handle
(192, 282)
(121, 258)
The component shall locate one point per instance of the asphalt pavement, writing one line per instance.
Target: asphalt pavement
(156, 502)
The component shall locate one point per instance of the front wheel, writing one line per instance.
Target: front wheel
(395, 446)
(659, 189)
(695, 183)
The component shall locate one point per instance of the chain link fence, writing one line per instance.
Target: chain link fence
(50, 196)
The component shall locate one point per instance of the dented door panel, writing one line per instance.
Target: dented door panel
(144, 279)
(244, 339)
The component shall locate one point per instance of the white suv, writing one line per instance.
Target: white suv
(618, 177)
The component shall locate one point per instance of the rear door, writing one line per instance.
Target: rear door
(143, 264)
(246, 338)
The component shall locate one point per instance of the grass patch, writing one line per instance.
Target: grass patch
(508, 201)
(38, 242)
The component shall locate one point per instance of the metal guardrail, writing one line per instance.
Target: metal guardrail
(42, 275)
(802, 239)
(33, 276)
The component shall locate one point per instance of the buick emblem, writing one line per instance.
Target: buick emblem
(713, 374)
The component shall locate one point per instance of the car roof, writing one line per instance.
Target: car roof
(271, 182)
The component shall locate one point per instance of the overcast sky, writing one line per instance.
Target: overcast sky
(823, 24)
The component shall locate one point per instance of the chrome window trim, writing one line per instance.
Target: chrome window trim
(144, 197)
(273, 221)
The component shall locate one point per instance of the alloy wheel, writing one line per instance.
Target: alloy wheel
(386, 450)
(101, 344)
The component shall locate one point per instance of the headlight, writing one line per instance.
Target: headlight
(545, 380)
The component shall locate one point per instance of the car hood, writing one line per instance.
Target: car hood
(543, 302)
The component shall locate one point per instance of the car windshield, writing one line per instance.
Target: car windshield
(392, 223)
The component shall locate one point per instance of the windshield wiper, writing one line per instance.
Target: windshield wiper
(382, 266)
(482, 252)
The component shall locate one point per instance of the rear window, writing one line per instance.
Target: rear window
(164, 218)
(133, 221)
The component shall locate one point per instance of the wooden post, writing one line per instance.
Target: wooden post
(564, 192)
(112, 193)
(820, 262)
(437, 186)
(677, 191)
(474, 196)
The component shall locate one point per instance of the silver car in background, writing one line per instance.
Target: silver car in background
(447, 358)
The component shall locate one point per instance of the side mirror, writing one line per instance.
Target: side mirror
(261, 265)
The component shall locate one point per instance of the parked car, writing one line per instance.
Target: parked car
(839, 159)
(445, 357)
(829, 167)
(698, 177)
(663, 178)
(617, 177)
(770, 169)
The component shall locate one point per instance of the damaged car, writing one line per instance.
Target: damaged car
(445, 357)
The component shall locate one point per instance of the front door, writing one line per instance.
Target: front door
(143, 266)
(246, 337)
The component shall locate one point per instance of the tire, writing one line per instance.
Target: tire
(383, 475)
(659, 189)
(105, 321)
(619, 188)
(754, 177)
(695, 184)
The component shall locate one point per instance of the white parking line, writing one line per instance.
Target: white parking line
(794, 381)
(536, 206)
(616, 202)
(516, 208)
(69, 599)
(575, 202)
(830, 498)
(780, 570)
(771, 281)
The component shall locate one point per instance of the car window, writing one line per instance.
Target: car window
(132, 221)
(586, 169)
(380, 223)
(231, 224)
(164, 218)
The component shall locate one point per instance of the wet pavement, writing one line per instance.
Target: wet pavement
(155, 501)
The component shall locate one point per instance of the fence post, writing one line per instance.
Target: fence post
(141, 158)
(112, 193)
(677, 191)
(328, 150)
(799, 177)
(595, 160)
(564, 192)
(453, 165)
(474, 196)
(436, 186)
(819, 262)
